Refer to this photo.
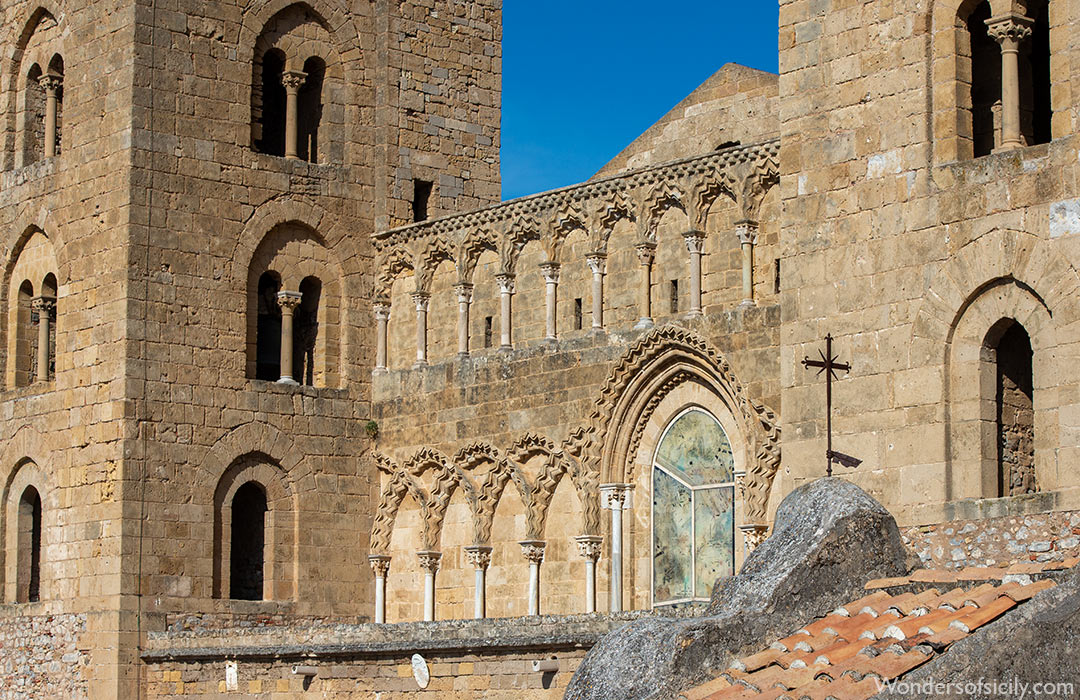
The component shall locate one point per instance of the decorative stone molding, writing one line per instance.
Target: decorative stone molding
(421, 299)
(747, 231)
(429, 560)
(616, 496)
(505, 282)
(597, 263)
(1011, 26)
(695, 242)
(464, 293)
(44, 305)
(288, 301)
(293, 79)
(550, 271)
(646, 253)
(50, 83)
(754, 535)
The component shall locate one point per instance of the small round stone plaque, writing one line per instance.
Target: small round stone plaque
(420, 671)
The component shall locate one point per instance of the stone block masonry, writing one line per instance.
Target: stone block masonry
(44, 656)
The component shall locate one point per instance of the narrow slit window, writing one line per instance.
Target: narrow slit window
(487, 331)
(674, 296)
(776, 276)
(578, 319)
(421, 199)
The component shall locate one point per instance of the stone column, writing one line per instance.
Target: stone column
(589, 548)
(421, 300)
(616, 498)
(747, 231)
(382, 317)
(464, 300)
(380, 565)
(429, 562)
(695, 243)
(51, 84)
(45, 307)
(292, 80)
(480, 557)
(533, 550)
(288, 301)
(597, 262)
(550, 271)
(1009, 30)
(646, 252)
(506, 291)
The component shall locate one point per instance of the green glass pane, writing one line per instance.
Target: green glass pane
(697, 450)
(671, 539)
(714, 537)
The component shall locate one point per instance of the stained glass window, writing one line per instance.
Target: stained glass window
(693, 509)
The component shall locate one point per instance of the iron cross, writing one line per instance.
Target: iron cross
(829, 365)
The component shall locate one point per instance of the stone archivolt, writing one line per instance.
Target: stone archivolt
(600, 452)
(743, 174)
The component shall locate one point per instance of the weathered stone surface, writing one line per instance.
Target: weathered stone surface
(1045, 631)
(829, 539)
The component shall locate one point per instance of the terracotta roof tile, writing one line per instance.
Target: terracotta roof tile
(1024, 592)
(1026, 567)
(845, 654)
(987, 613)
(933, 576)
(887, 582)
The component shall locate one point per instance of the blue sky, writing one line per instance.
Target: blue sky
(582, 79)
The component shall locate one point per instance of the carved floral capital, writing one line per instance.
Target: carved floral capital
(380, 564)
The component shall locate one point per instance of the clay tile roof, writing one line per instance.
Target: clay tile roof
(847, 654)
(887, 582)
(933, 576)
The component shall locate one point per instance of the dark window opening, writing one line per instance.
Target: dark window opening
(776, 276)
(248, 544)
(985, 83)
(29, 547)
(1035, 109)
(268, 330)
(269, 106)
(25, 336)
(33, 145)
(306, 331)
(727, 144)
(674, 296)
(578, 315)
(48, 290)
(421, 199)
(56, 70)
(1015, 414)
(488, 324)
(310, 110)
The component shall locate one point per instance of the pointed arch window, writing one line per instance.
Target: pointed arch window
(693, 509)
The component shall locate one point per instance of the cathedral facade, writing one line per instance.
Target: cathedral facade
(284, 378)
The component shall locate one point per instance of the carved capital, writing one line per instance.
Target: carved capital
(429, 560)
(50, 83)
(293, 80)
(43, 305)
(380, 564)
(754, 535)
(382, 311)
(550, 270)
(506, 283)
(479, 556)
(597, 262)
(421, 300)
(1009, 29)
(589, 546)
(616, 496)
(747, 231)
(695, 241)
(288, 301)
(646, 253)
(464, 293)
(533, 550)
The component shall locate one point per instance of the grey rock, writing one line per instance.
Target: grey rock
(1068, 542)
(1043, 546)
(830, 537)
(1034, 643)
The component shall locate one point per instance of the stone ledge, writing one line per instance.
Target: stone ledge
(547, 632)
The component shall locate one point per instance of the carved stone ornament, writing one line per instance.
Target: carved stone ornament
(380, 564)
(533, 550)
(479, 556)
(429, 560)
(589, 546)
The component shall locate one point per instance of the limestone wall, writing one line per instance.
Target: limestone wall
(45, 656)
(909, 257)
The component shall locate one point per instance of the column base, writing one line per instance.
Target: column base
(694, 313)
(420, 364)
(644, 323)
(380, 370)
(747, 302)
(289, 381)
(506, 348)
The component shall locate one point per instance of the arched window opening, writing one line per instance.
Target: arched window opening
(268, 108)
(306, 331)
(1035, 109)
(310, 108)
(25, 336)
(44, 307)
(248, 543)
(985, 56)
(693, 509)
(28, 583)
(33, 146)
(1015, 413)
(52, 83)
(268, 332)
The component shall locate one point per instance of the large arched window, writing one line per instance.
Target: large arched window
(28, 583)
(248, 543)
(1014, 410)
(693, 509)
